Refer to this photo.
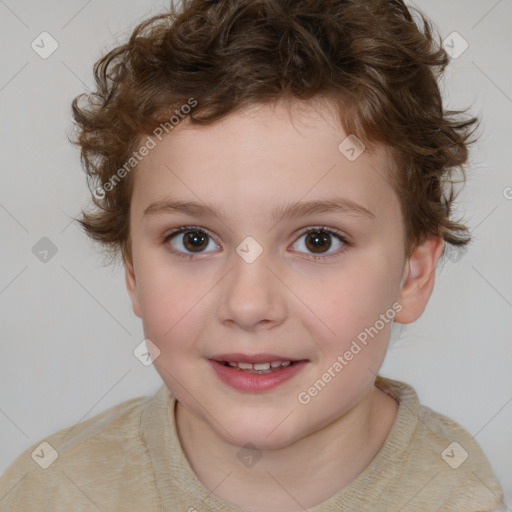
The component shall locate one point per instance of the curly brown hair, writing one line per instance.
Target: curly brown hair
(369, 57)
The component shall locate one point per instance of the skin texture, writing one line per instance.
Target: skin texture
(284, 302)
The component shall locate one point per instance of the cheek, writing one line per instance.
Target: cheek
(351, 357)
(167, 301)
(348, 302)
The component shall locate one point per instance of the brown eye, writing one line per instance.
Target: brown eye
(195, 241)
(187, 241)
(318, 241)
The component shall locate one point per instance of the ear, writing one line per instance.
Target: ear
(418, 279)
(131, 286)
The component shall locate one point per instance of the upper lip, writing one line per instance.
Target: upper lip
(254, 358)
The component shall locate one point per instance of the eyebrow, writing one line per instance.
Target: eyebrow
(286, 211)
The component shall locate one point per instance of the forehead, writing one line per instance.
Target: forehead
(262, 157)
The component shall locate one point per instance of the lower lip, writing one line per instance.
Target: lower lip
(255, 382)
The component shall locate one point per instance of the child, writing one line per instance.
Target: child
(225, 144)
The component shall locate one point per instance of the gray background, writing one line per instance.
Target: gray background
(68, 330)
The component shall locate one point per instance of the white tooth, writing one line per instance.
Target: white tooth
(275, 364)
(262, 366)
(286, 363)
(233, 364)
(245, 366)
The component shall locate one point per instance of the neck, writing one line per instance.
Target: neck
(300, 475)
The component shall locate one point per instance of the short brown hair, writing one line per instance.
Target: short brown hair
(369, 57)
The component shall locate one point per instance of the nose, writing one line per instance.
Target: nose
(252, 297)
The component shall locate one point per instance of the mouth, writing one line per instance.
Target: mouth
(258, 372)
(256, 363)
(259, 368)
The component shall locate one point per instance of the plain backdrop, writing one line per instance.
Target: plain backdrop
(67, 327)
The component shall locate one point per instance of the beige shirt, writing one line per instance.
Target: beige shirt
(129, 458)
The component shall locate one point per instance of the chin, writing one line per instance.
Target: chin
(270, 433)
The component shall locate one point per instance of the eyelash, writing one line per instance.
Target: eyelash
(313, 229)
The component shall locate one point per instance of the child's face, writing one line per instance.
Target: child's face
(282, 304)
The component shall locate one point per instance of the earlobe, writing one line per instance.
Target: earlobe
(418, 280)
(131, 286)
